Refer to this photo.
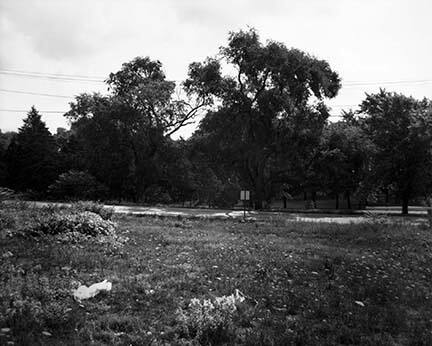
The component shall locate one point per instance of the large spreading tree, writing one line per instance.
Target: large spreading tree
(125, 135)
(401, 129)
(270, 108)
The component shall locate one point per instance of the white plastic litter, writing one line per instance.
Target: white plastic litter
(358, 302)
(84, 292)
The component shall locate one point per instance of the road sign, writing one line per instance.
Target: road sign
(244, 195)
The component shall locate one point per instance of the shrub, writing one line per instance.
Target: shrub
(74, 185)
(227, 196)
(156, 194)
(94, 207)
(87, 223)
(6, 220)
(6, 193)
(209, 321)
(31, 302)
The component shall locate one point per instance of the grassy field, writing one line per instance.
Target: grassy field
(304, 283)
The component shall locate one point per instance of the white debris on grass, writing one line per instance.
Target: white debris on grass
(359, 303)
(7, 254)
(84, 292)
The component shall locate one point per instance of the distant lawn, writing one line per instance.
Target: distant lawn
(305, 283)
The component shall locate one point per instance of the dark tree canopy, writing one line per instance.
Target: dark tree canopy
(264, 105)
(5, 140)
(401, 129)
(141, 83)
(263, 127)
(32, 155)
(343, 162)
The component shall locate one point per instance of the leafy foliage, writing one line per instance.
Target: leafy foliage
(210, 321)
(87, 223)
(264, 128)
(31, 156)
(94, 207)
(125, 136)
(75, 185)
(264, 107)
(401, 129)
(343, 160)
(6, 220)
(6, 193)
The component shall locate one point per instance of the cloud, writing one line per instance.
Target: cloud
(219, 13)
(54, 29)
(364, 40)
(66, 30)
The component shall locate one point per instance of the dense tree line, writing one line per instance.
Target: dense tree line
(264, 128)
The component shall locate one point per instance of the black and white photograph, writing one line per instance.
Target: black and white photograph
(202, 172)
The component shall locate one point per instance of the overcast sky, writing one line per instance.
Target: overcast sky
(370, 43)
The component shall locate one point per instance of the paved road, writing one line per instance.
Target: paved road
(238, 214)
(232, 214)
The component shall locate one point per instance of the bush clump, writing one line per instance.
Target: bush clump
(6, 193)
(6, 220)
(94, 207)
(75, 185)
(86, 223)
(209, 321)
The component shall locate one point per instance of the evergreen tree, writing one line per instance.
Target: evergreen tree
(31, 156)
(5, 139)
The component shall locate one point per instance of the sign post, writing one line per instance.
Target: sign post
(244, 196)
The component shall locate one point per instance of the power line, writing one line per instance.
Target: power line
(50, 77)
(68, 97)
(365, 83)
(342, 106)
(58, 76)
(54, 74)
(35, 93)
(100, 79)
(26, 111)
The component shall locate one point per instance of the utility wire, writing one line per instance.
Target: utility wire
(63, 112)
(58, 76)
(99, 79)
(34, 93)
(355, 84)
(51, 77)
(69, 97)
(53, 74)
(26, 111)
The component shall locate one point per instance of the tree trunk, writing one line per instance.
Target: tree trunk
(284, 199)
(337, 201)
(260, 192)
(314, 200)
(348, 199)
(405, 201)
(258, 204)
